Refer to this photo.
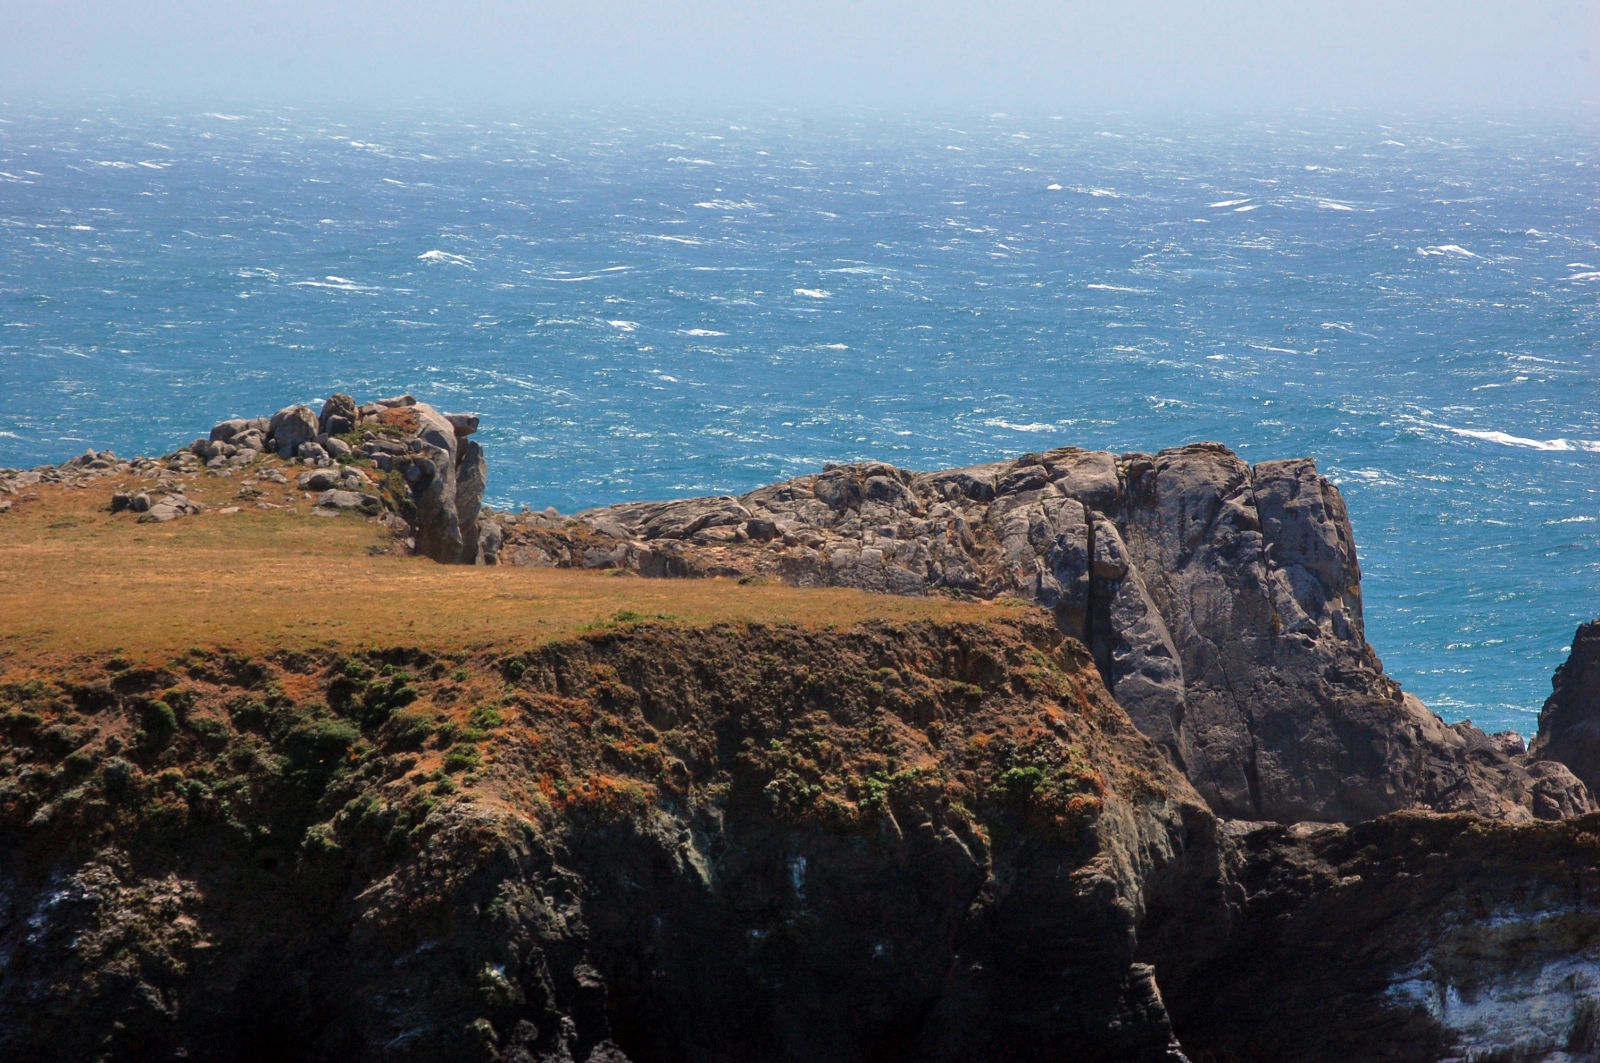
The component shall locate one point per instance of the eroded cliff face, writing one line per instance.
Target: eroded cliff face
(1221, 602)
(655, 843)
(1413, 937)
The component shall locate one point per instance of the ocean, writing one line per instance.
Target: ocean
(646, 304)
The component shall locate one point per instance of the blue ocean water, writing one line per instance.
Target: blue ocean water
(647, 305)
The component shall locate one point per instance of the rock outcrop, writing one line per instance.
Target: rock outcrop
(1221, 602)
(922, 842)
(1412, 938)
(1569, 723)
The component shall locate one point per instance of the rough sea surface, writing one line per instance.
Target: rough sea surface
(645, 305)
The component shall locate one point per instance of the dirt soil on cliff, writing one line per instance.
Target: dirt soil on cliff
(75, 578)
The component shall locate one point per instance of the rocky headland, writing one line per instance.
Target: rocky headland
(1164, 803)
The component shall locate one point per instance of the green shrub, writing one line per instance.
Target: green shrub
(160, 723)
(460, 758)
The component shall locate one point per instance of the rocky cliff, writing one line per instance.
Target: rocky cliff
(923, 843)
(1221, 602)
(1174, 812)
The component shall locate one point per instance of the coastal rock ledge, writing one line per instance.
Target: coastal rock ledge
(1221, 603)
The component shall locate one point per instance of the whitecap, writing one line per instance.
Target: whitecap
(1574, 520)
(729, 204)
(116, 165)
(444, 258)
(1116, 288)
(224, 117)
(1584, 276)
(834, 346)
(613, 269)
(1241, 210)
(1229, 202)
(952, 147)
(1275, 350)
(700, 332)
(673, 239)
(691, 162)
(1509, 440)
(1446, 249)
(81, 228)
(1052, 188)
(1328, 204)
(392, 181)
(625, 326)
(153, 165)
(1392, 143)
(1036, 426)
(813, 293)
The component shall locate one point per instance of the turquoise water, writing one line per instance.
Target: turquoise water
(645, 305)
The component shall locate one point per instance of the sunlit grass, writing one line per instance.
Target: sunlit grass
(76, 579)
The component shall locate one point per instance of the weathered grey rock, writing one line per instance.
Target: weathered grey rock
(338, 499)
(338, 448)
(318, 480)
(1221, 602)
(311, 452)
(292, 426)
(339, 414)
(1569, 723)
(464, 423)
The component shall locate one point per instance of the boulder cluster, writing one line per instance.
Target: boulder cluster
(396, 460)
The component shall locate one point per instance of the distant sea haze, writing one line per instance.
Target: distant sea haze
(652, 306)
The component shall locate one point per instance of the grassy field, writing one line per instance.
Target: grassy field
(75, 579)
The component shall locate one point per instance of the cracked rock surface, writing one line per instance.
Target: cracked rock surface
(1221, 602)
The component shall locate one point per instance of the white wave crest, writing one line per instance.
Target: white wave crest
(1508, 440)
(1116, 288)
(1446, 249)
(691, 162)
(1052, 188)
(700, 332)
(813, 293)
(1036, 426)
(1328, 204)
(625, 326)
(729, 204)
(444, 258)
(1229, 202)
(1584, 276)
(835, 346)
(1241, 210)
(224, 117)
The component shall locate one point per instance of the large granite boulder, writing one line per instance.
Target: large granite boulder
(1221, 602)
(292, 426)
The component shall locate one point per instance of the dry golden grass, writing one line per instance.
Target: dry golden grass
(75, 579)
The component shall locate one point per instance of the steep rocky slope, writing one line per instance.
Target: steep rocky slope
(919, 842)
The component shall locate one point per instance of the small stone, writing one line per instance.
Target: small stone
(312, 452)
(338, 448)
(318, 480)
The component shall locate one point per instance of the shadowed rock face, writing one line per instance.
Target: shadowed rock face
(1221, 602)
(923, 843)
(1569, 724)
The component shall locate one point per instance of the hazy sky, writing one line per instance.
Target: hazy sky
(824, 53)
